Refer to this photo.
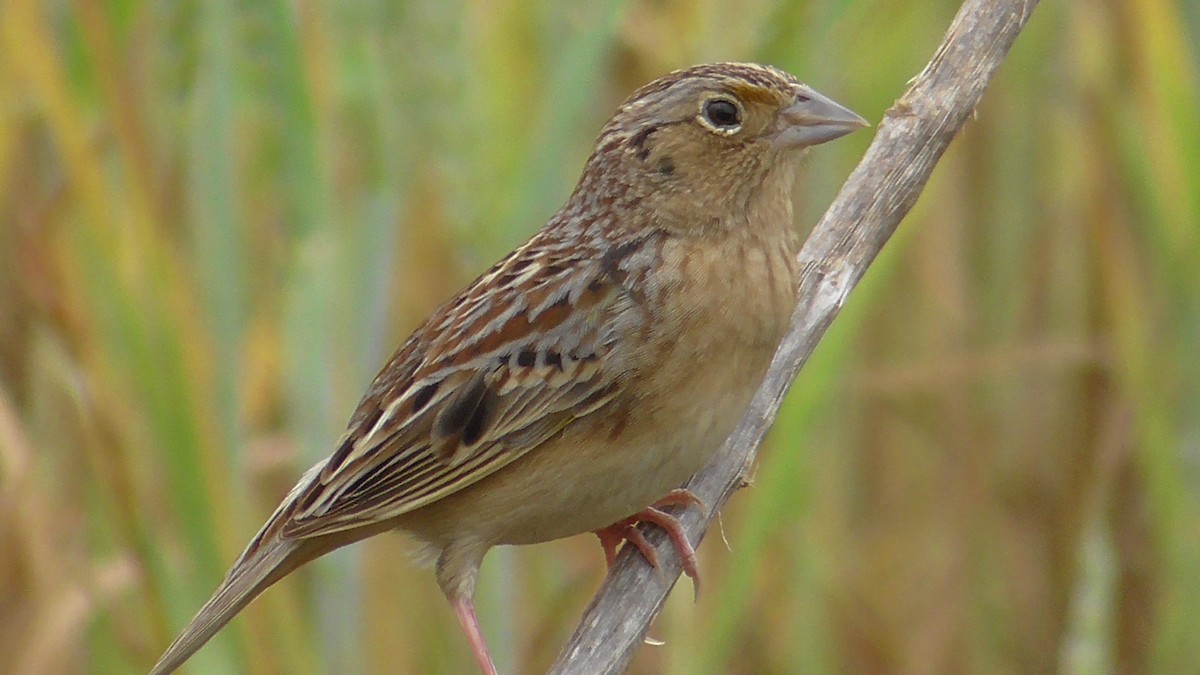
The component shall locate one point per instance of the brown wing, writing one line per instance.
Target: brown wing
(526, 350)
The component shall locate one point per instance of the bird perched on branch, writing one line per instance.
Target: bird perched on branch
(575, 385)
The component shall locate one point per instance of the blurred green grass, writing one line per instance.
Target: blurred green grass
(218, 218)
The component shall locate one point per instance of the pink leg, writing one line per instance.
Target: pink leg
(626, 530)
(464, 609)
(610, 538)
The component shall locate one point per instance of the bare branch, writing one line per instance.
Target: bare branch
(878, 194)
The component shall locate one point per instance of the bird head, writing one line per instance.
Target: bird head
(702, 143)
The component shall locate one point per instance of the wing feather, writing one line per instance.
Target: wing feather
(446, 412)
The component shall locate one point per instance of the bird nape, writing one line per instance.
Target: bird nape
(579, 382)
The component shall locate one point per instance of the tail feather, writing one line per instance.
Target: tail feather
(251, 575)
(269, 557)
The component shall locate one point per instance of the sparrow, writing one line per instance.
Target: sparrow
(575, 385)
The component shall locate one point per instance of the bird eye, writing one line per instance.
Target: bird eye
(722, 114)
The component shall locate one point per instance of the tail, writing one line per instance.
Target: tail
(261, 565)
(268, 558)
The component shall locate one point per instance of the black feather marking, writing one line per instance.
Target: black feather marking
(424, 395)
(343, 451)
(526, 358)
(477, 422)
(553, 358)
(369, 480)
(461, 407)
(611, 262)
(465, 419)
(638, 142)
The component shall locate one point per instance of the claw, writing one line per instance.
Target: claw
(626, 530)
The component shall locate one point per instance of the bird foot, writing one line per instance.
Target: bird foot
(626, 530)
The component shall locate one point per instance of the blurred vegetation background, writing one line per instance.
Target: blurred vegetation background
(218, 218)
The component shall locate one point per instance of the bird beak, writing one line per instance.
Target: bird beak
(813, 119)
